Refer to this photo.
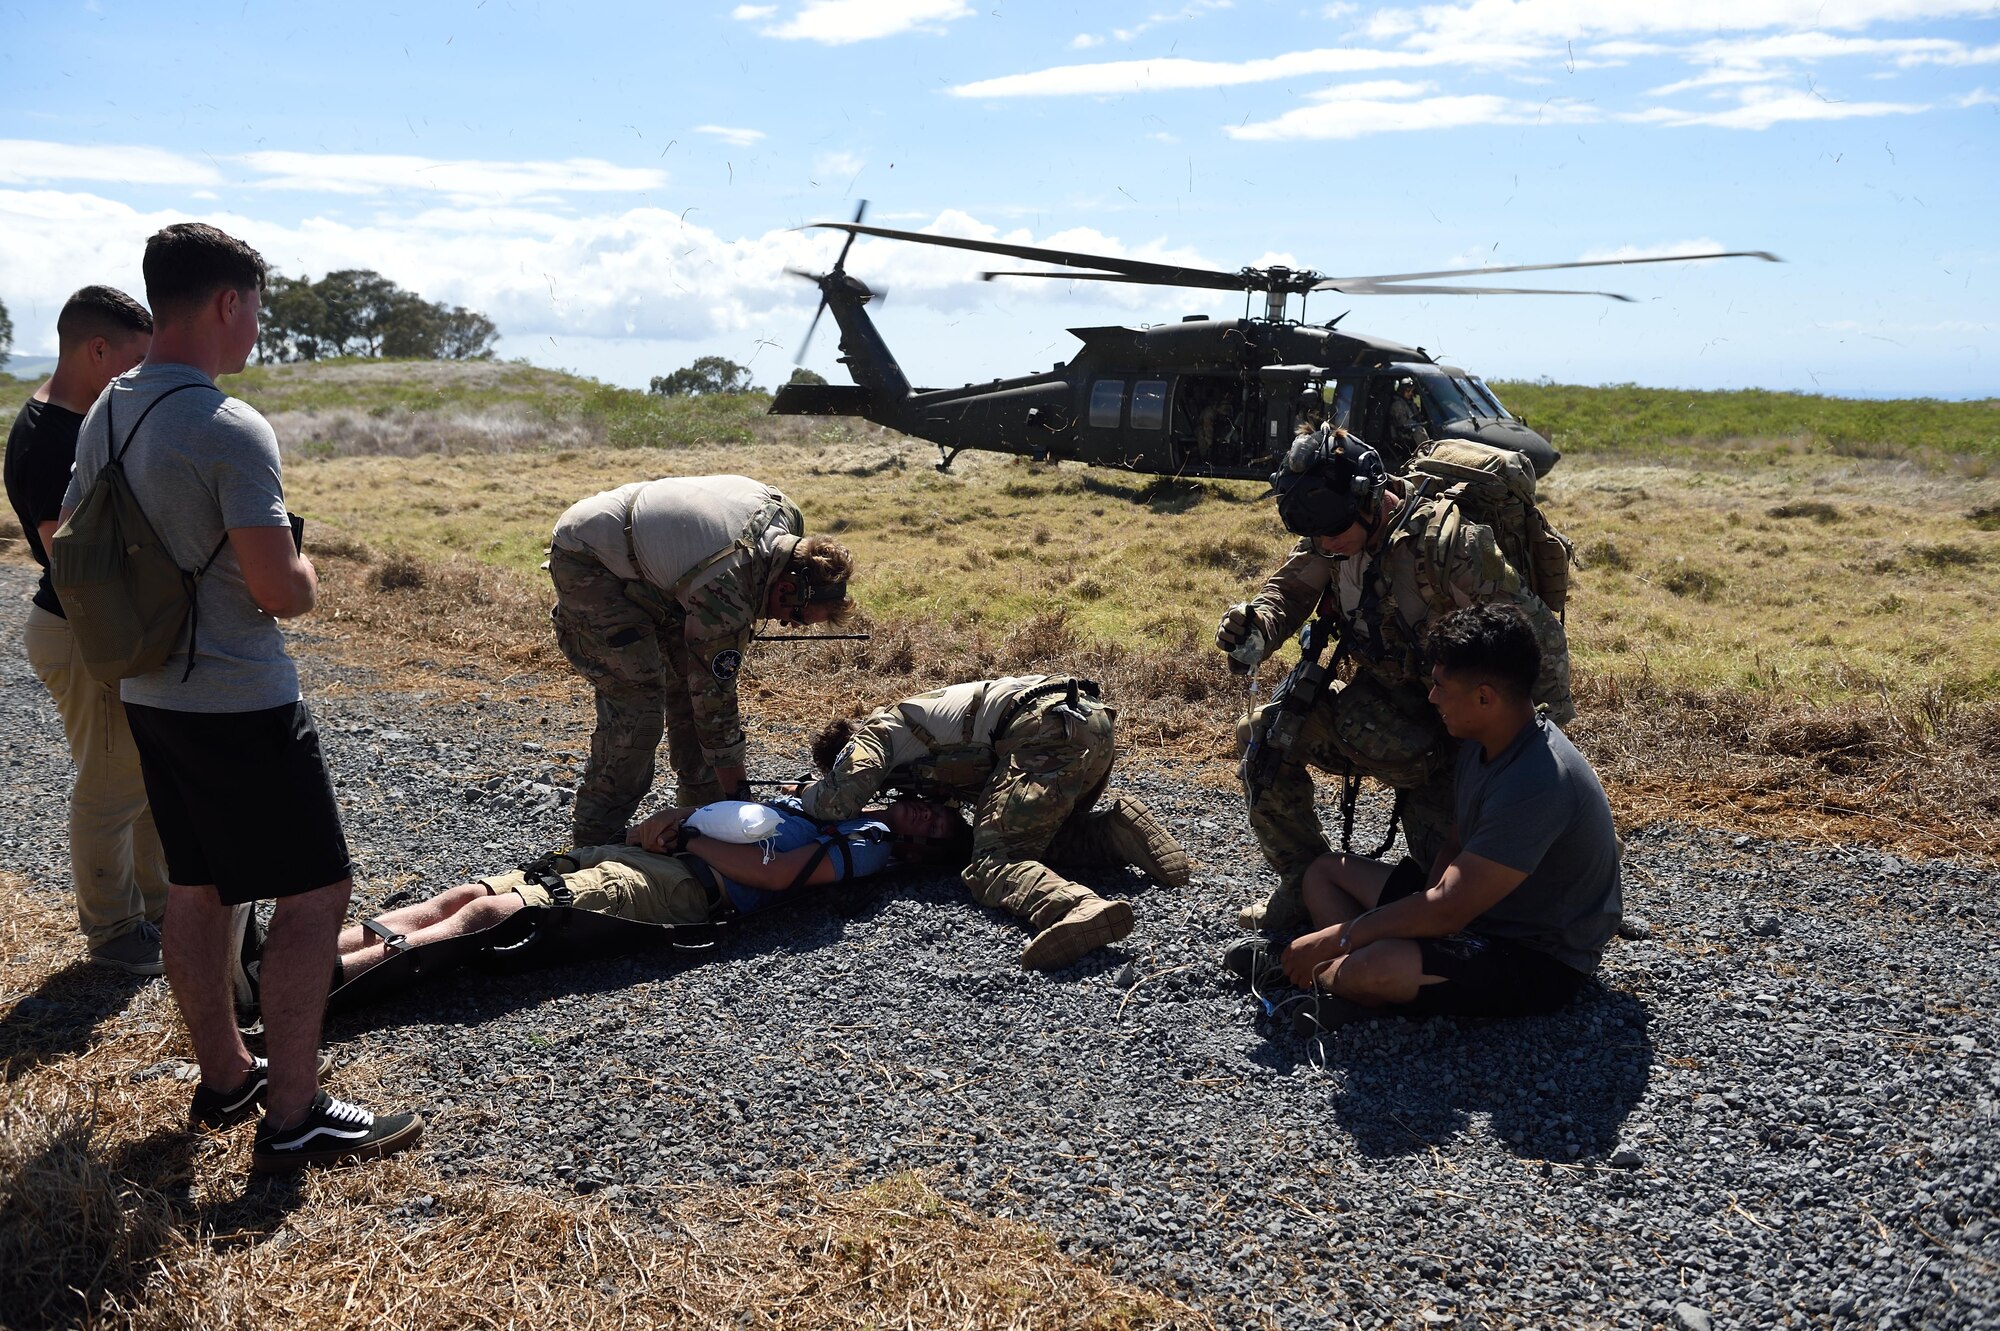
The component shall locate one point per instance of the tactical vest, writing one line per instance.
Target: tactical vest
(958, 767)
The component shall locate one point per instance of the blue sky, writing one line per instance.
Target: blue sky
(616, 185)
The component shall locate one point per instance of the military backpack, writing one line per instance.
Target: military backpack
(126, 598)
(1496, 488)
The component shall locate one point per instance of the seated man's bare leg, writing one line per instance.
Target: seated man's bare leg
(407, 920)
(1390, 971)
(473, 914)
(1337, 888)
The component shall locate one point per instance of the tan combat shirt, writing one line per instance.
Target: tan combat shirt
(898, 737)
(693, 548)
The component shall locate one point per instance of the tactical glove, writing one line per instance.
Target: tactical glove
(1241, 634)
(1235, 627)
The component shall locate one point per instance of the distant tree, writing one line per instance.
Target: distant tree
(709, 374)
(804, 376)
(357, 302)
(466, 335)
(6, 332)
(357, 312)
(408, 327)
(293, 323)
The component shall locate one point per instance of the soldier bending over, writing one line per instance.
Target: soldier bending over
(657, 586)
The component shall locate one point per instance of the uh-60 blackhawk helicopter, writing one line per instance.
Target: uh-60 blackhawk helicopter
(1201, 397)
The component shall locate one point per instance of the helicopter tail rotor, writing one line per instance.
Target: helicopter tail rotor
(837, 272)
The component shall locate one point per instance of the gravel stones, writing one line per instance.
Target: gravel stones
(1735, 1128)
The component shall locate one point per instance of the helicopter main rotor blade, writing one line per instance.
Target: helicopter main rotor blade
(1345, 283)
(860, 211)
(1139, 269)
(811, 328)
(1219, 281)
(1418, 289)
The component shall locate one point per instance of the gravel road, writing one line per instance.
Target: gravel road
(1779, 1108)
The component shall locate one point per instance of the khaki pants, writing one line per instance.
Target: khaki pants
(625, 881)
(115, 860)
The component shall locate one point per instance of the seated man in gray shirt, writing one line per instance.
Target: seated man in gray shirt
(1514, 913)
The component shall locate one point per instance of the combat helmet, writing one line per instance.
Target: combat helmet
(1330, 481)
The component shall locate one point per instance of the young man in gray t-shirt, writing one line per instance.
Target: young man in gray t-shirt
(227, 747)
(1515, 911)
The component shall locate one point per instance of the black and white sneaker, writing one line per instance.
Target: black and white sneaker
(246, 952)
(215, 1110)
(332, 1131)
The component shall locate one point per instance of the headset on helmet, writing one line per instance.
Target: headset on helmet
(803, 591)
(1331, 480)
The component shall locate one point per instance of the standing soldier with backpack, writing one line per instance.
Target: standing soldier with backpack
(175, 560)
(1380, 558)
(116, 866)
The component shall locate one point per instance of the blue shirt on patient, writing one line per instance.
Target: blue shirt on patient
(867, 853)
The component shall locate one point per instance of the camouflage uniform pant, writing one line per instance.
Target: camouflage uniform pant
(629, 644)
(1365, 727)
(1054, 764)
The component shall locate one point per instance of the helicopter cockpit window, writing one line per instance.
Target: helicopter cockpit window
(1149, 404)
(1445, 403)
(1107, 403)
(1343, 405)
(1479, 385)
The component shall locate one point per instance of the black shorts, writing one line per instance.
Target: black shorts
(242, 800)
(1483, 977)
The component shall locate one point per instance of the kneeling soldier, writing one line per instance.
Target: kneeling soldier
(657, 586)
(1028, 756)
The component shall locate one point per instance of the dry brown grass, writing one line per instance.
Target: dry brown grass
(112, 1216)
(1905, 772)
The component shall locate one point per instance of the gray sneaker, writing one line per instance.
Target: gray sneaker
(136, 951)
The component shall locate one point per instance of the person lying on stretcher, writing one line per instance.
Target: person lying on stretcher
(707, 879)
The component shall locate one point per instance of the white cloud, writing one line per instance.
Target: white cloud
(1704, 245)
(1125, 76)
(1764, 107)
(635, 273)
(747, 13)
(1388, 107)
(33, 161)
(1083, 41)
(741, 138)
(1574, 20)
(375, 173)
(840, 22)
(1978, 97)
(836, 167)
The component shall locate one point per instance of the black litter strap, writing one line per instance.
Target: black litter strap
(1350, 797)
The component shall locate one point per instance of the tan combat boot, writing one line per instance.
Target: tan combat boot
(1121, 832)
(1138, 839)
(1282, 914)
(1088, 925)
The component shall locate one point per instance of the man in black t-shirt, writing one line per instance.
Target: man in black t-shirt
(115, 858)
